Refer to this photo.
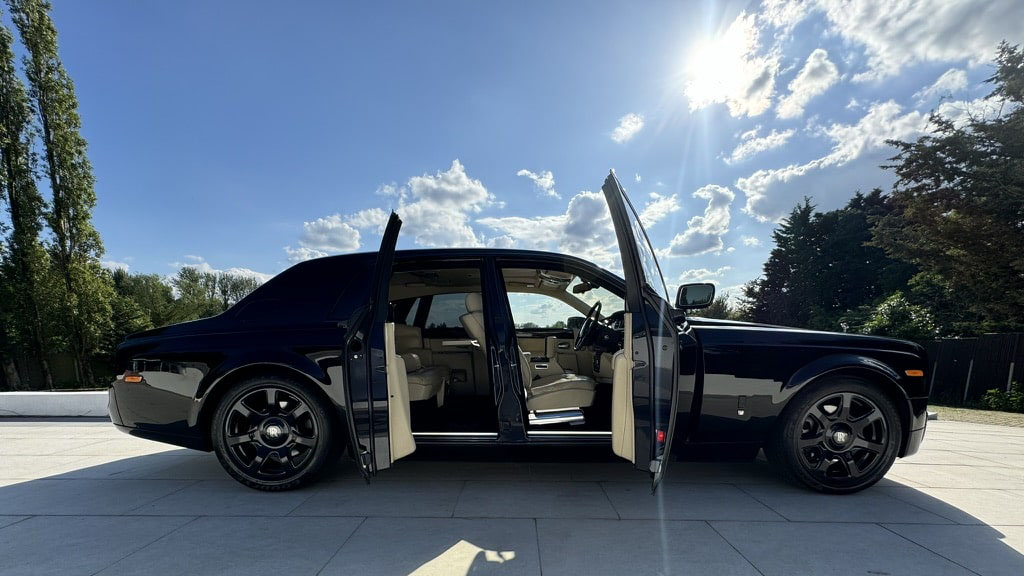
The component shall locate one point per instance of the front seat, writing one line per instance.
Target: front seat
(556, 392)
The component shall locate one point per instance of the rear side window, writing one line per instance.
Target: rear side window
(310, 292)
(445, 310)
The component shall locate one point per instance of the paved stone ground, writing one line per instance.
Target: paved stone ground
(82, 498)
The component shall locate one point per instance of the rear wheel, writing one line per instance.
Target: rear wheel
(272, 433)
(839, 437)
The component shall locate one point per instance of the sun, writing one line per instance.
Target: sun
(723, 67)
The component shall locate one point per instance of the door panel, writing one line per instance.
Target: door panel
(401, 442)
(654, 338)
(364, 365)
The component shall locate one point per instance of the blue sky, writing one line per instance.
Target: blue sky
(250, 135)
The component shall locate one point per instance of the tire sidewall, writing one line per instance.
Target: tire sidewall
(784, 451)
(324, 424)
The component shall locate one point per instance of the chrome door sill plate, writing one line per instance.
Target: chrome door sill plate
(561, 416)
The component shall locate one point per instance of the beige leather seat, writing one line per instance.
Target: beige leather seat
(425, 381)
(548, 393)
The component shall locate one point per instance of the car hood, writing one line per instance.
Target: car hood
(811, 337)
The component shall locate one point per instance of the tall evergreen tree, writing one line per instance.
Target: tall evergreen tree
(26, 261)
(959, 216)
(75, 247)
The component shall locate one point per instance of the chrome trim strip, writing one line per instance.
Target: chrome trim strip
(594, 434)
(456, 434)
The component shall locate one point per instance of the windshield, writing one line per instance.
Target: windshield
(652, 272)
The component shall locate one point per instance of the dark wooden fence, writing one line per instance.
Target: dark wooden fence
(962, 369)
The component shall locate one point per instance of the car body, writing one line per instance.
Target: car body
(350, 337)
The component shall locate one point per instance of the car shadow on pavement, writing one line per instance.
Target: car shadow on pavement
(488, 512)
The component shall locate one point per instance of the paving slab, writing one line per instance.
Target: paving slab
(8, 520)
(819, 549)
(224, 498)
(966, 505)
(871, 505)
(441, 546)
(686, 502)
(433, 513)
(989, 550)
(243, 546)
(573, 547)
(83, 497)
(71, 545)
(510, 499)
(430, 498)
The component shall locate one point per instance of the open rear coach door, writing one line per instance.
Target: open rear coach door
(647, 374)
(376, 393)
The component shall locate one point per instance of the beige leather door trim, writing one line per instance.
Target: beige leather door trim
(400, 439)
(623, 427)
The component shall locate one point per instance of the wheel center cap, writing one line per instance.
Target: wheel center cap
(275, 432)
(841, 437)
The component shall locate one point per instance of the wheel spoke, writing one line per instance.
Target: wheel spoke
(242, 438)
(299, 411)
(844, 407)
(809, 442)
(869, 445)
(864, 423)
(304, 441)
(242, 410)
(852, 468)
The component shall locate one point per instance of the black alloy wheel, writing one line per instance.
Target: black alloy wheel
(839, 437)
(271, 434)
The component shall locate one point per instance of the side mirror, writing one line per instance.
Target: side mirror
(693, 296)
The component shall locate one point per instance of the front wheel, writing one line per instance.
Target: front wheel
(839, 437)
(271, 433)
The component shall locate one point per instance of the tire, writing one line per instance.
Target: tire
(272, 433)
(838, 437)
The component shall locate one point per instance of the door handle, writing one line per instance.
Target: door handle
(563, 345)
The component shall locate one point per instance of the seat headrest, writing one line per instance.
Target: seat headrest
(474, 302)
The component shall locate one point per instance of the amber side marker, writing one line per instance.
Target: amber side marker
(918, 373)
(133, 378)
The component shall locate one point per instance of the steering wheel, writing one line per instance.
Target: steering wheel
(586, 335)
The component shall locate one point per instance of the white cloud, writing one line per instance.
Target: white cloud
(435, 211)
(952, 81)
(584, 230)
(637, 178)
(817, 76)
(370, 218)
(704, 233)
(628, 127)
(115, 265)
(729, 68)
(896, 34)
(658, 208)
(544, 181)
(331, 234)
(772, 193)
(751, 144)
(750, 241)
(200, 264)
(963, 111)
(702, 274)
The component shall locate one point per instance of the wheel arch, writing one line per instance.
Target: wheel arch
(207, 404)
(865, 368)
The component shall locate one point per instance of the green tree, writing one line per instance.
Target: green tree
(25, 263)
(234, 287)
(823, 272)
(898, 318)
(719, 308)
(149, 291)
(198, 296)
(959, 210)
(75, 247)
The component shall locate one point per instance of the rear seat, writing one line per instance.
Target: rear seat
(425, 381)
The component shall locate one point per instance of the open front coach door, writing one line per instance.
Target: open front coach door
(649, 367)
(376, 395)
